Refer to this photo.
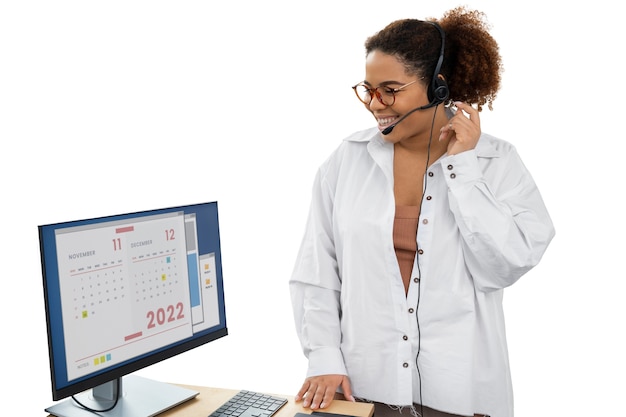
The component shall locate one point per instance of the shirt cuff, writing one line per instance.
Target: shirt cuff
(326, 361)
(461, 169)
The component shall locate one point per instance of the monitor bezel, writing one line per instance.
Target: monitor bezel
(158, 355)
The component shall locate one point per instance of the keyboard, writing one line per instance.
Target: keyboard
(250, 404)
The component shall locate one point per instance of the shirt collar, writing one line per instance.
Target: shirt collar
(484, 148)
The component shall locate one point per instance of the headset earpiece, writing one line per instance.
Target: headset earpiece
(440, 92)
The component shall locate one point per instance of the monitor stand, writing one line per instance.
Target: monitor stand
(140, 397)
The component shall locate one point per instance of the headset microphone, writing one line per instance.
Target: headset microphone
(388, 129)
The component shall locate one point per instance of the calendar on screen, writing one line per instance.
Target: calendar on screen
(129, 287)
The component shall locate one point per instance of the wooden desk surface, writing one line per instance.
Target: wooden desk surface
(211, 398)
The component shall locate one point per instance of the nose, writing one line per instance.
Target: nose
(375, 104)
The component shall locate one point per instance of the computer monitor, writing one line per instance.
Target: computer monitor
(123, 292)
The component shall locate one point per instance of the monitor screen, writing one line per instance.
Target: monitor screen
(126, 291)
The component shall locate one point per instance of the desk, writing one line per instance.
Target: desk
(211, 398)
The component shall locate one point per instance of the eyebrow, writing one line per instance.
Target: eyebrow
(384, 83)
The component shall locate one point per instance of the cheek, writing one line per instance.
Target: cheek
(417, 99)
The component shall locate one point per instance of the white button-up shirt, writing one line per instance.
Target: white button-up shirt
(482, 225)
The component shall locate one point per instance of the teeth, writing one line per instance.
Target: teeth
(386, 121)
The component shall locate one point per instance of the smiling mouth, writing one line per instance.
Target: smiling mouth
(386, 121)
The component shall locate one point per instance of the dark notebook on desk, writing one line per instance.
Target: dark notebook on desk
(325, 414)
(322, 414)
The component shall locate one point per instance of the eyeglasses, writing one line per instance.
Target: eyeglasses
(385, 95)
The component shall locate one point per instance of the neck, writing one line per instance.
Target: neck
(422, 144)
(428, 135)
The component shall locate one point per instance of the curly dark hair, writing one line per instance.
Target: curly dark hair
(472, 65)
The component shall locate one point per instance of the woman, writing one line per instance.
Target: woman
(415, 228)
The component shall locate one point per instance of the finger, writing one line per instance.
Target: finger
(447, 130)
(466, 107)
(302, 393)
(318, 397)
(329, 396)
(471, 112)
(347, 390)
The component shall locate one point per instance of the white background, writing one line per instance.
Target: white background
(115, 106)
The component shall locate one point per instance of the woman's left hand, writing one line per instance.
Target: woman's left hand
(463, 131)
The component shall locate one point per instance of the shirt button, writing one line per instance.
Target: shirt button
(405, 365)
(411, 310)
(430, 174)
(429, 197)
(425, 221)
(416, 279)
(421, 251)
(453, 175)
(450, 167)
(405, 337)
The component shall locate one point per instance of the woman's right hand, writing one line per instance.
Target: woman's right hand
(319, 391)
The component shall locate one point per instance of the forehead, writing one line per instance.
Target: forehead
(381, 67)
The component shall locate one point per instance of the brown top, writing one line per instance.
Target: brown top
(404, 240)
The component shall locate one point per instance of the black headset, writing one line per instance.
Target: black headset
(438, 91)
